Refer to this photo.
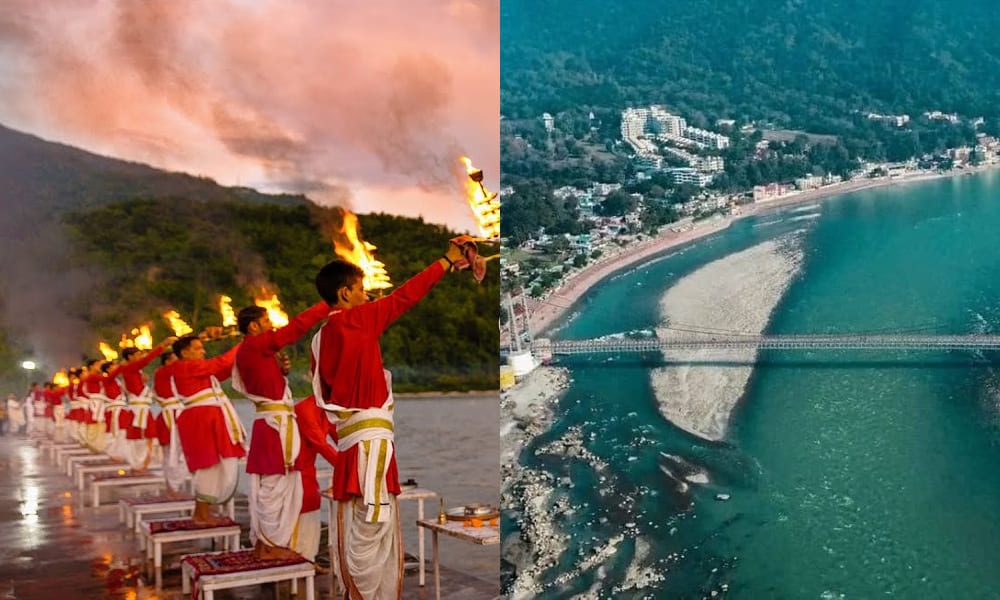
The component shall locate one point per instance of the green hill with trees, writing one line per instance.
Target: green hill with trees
(113, 244)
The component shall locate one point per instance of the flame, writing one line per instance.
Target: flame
(226, 308)
(359, 252)
(143, 338)
(273, 305)
(176, 323)
(484, 203)
(108, 352)
(60, 379)
(125, 342)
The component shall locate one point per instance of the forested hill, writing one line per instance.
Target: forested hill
(798, 63)
(183, 253)
(46, 177)
(91, 246)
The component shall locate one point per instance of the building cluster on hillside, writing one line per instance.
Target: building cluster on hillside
(659, 140)
(936, 115)
(897, 120)
(642, 128)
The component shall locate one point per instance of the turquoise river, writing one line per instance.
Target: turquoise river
(849, 474)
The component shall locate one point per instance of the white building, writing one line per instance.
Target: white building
(666, 122)
(550, 122)
(937, 115)
(711, 164)
(688, 158)
(709, 138)
(689, 175)
(897, 120)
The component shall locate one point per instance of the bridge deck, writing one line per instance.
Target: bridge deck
(784, 342)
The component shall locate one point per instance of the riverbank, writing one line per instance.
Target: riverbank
(527, 495)
(553, 306)
(737, 293)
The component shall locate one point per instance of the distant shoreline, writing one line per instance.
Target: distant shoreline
(552, 307)
(457, 395)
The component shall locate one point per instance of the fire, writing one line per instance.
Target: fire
(176, 323)
(108, 352)
(484, 203)
(143, 338)
(359, 252)
(226, 308)
(60, 379)
(273, 305)
(125, 342)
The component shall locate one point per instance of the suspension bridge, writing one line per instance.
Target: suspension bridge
(618, 345)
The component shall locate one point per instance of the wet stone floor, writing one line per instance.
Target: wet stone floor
(54, 546)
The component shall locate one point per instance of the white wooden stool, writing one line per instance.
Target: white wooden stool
(121, 481)
(76, 460)
(158, 532)
(222, 570)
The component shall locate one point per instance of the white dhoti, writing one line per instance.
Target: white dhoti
(306, 539)
(370, 555)
(117, 446)
(175, 470)
(95, 437)
(138, 452)
(59, 413)
(275, 503)
(217, 484)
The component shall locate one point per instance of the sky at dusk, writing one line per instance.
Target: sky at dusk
(368, 104)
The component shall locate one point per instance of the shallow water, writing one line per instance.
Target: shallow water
(849, 474)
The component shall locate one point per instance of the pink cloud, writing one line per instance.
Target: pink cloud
(374, 96)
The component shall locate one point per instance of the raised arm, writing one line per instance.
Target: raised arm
(303, 322)
(377, 315)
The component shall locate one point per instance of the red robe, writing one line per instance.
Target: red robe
(113, 390)
(202, 429)
(351, 371)
(92, 384)
(72, 392)
(131, 374)
(161, 387)
(262, 377)
(314, 428)
(52, 398)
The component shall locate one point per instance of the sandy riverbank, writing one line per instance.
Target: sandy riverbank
(735, 293)
(546, 312)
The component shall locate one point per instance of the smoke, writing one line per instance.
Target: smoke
(379, 98)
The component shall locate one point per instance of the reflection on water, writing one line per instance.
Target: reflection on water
(449, 445)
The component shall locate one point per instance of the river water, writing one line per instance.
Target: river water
(849, 474)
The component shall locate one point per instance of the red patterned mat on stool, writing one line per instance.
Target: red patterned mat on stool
(156, 499)
(231, 562)
(186, 525)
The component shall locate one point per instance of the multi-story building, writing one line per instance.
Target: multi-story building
(665, 122)
(688, 158)
(683, 175)
(549, 121)
(709, 138)
(711, 164)
(771, 191)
